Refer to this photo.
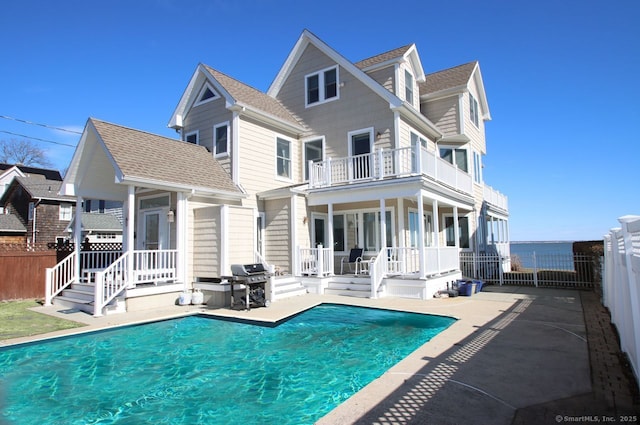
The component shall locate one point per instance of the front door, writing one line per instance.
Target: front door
(319, 231)
(154, 230)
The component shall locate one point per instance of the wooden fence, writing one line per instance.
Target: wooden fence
(22, 270)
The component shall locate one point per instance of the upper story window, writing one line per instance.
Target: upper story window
(87, 205)
(32, 206)
(283, 158)
(477, 167)
(408, 86)
(321, 86)
(457, 157)
(192, 137)
(65, 212)
(220, 139)
(206, 95)
(415, 142)
(473, 109)
(312, 152)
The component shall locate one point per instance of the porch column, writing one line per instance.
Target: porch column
(130, 221)
(78, 236)
(224, 240)
(330, 241)
(436, 226)
(423, 263)
(181, 238)
(456, 230)
(401, 235)
(383, 229)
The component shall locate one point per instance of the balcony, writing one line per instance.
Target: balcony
(384, 164)
(495, 198)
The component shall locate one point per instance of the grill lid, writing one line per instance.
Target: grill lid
(247, 269)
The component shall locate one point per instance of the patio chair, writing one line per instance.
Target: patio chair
(353, 261)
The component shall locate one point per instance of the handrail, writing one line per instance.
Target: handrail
(377, 271)
(60, 277)
(109, 283)
(315, 261)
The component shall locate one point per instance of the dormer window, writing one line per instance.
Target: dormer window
(473, 109)
(321, 86)
(408, 87)
(191, 138)
(206, 95)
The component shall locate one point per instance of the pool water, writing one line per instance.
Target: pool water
(199, 370)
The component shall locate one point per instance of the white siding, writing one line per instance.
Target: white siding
(277, 237)
(241, 234)
(206, 242)
(444, 114)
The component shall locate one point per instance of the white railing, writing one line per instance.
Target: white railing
(377, 271)
(406, 261)
(154, 265)
(60, 276)
(403, 261)
(97, 260)
(388, 163)
(621, 285)
(315, 261)
(495, 198)
(109, 283)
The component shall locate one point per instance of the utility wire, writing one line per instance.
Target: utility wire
(41, 125)
(35, 138)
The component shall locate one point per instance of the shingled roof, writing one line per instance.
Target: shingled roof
(448, 78)
(46, 172)
(97, 221)
(245, 94)
(11, 223)
(148, 157)
(383, 57)
(40, 188)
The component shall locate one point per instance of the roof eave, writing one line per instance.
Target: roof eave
(411, 113)
(278, 122)
(162, 185)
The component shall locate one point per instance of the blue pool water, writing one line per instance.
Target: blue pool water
(198, 370)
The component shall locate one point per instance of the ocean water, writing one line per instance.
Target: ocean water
(552, 254)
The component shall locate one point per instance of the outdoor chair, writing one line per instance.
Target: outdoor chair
(353, 261)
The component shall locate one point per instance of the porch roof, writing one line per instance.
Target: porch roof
(11, 223)
(146, 160)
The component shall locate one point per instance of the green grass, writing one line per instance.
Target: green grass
(16, 320)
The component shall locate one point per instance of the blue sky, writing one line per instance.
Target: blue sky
(561, 79)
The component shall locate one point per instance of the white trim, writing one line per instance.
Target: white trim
(352, 133)
(461, 112)
(214, 147)
(321, 86)
(235, 147)
(224, 240)
(204, 87)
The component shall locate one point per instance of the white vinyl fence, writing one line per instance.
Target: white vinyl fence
(621, 285)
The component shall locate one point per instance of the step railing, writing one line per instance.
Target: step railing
(377, 271)
(60, 277)
(109, 283)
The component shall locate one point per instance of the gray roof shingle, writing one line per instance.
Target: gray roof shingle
(40, 188)
(383, 57)
(250, 96)
(96, 221)
(141, 155)
(447, 78)
(11, 223)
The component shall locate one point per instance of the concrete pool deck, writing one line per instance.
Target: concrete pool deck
(515, 356)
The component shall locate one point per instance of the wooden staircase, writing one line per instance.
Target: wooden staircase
(80, 296)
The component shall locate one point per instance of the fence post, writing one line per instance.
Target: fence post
(47, 286)
(500, 271)
(98, 294)
(535, 270)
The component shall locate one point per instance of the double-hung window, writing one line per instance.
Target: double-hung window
(457, 157)
(321, 86)
(463, 231)
(473, 109)
(408, 86)
(477, 167)
(414, 229)
(283, 158)
(220, 139)
(65, 212)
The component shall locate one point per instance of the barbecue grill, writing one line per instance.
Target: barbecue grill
(252, 279)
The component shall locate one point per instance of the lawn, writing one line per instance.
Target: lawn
(16, 320)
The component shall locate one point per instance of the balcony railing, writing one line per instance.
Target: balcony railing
(383, 164)
(495, 198)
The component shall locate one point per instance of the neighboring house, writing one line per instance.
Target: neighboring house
(9, 171)
(34, 200)
(98, 228)
(335, 155)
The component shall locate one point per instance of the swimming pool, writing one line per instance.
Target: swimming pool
(199, 370)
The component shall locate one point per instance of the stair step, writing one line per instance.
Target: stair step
(348, 292)
(78, 295)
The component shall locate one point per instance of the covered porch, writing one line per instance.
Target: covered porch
(154, 178)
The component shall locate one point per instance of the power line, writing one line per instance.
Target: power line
(41, 125)
(35, 138)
